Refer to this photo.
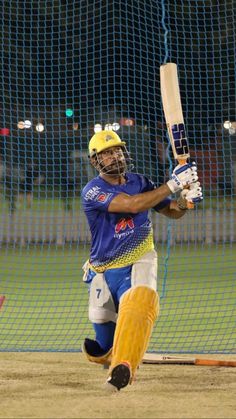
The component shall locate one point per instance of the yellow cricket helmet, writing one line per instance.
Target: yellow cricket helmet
(103, 140)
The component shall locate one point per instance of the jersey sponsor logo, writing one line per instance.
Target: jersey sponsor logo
(92, 193)
(123, 224)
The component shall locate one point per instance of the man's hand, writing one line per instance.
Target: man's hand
(182, 176)
(193, 194)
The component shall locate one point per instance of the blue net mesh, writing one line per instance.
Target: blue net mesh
(67, 67)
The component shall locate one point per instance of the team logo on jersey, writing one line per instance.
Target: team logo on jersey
(102, 197)
(123, 224)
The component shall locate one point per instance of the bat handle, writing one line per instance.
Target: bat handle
(190, 205)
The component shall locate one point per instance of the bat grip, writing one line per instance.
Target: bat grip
(190, 205)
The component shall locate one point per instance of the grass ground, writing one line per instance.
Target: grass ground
(46, 301)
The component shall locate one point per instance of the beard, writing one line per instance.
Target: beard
(116, 168)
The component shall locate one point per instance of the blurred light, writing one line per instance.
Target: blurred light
(232, 130)
(115, 126)
(127, 122)
(76, 154)
(69, 112)
(75, 126)
(21, 125)
(227, 124)
(27, 124)
(108, 127)
(97, 128)
(39, 127)
(4, 131)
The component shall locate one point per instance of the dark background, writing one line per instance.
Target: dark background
(102, 58)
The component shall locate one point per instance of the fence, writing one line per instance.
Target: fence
(60, 227)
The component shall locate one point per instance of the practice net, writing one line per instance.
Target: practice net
(67, 69)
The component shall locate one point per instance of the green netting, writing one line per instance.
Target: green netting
(66, 67)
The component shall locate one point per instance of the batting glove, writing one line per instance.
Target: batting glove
(182, 176)
(193, 194)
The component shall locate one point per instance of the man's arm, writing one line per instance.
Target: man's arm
(173, 211)
(181, 176)
(139, 202)
(177, 208)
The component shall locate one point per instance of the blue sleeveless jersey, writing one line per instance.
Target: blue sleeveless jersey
(118, 239)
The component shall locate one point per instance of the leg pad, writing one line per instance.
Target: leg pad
(94, 355)
(138, 311)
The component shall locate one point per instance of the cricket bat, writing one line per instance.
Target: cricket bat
(152, 358)
(172, 107)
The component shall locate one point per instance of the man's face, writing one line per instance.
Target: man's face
(112, 161)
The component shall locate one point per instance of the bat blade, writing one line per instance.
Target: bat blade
(152, 358)
(172, 107)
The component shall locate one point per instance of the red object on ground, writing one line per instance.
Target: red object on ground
(2, 299)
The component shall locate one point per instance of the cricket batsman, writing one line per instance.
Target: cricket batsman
(122, 268)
